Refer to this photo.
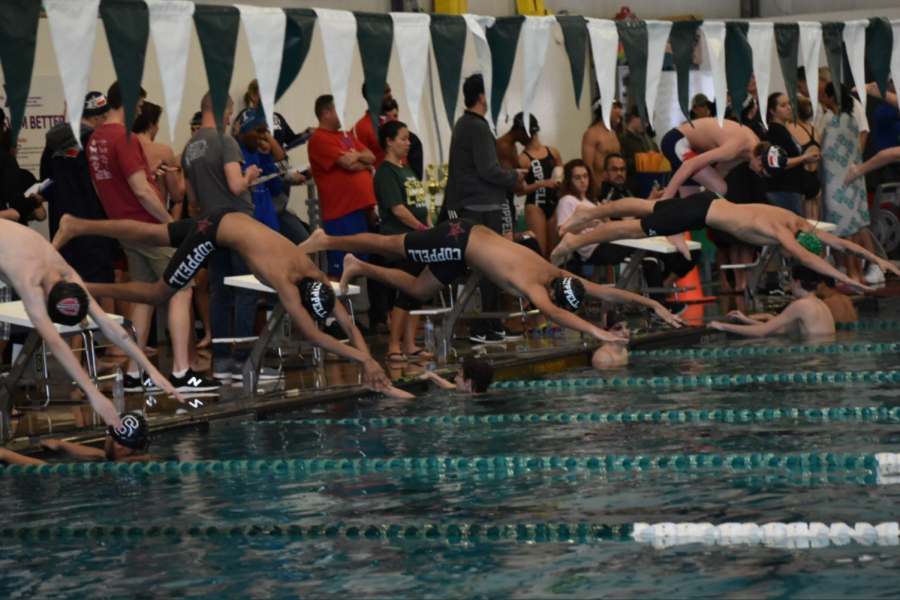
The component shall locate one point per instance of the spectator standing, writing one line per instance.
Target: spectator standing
(124, 183)
(403, 207)
(825, 113)
(416, 156)
(701, 107)
(252, 130)
(508, 156)
(170, 179)
(283, 133)
(540, 184)
(476, 189)
(786, 190)
(364, 130)
(806, 135)
(598, 141)
(634, 140)
(212, 169)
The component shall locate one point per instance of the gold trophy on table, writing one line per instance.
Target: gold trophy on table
(435, 186)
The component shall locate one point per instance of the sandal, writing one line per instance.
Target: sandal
(396, 357)
(420, 354)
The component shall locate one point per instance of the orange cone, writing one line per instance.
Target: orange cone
(692, 279)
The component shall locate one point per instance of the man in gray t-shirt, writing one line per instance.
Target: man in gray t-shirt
(204, 161)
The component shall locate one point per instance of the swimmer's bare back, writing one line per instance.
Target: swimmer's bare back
(26, 257)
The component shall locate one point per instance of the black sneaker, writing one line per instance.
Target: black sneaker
(488, 337)
(133, 384)
(676, 308)
(191, 382)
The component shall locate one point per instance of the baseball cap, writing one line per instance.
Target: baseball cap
(95, 104)
(249, 120)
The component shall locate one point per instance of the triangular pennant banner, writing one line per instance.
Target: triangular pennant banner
(411, 34)
(171, 22)
(633, 35)
(375, 36)
(683, 37)
(714, 34)
(811, 46)
(657, 38)
(833, 42)
(265, 35)
(18, 38)
(73, 28)
(217, 28)
(477, 25)
(536, 37)
(503, 39)
(127, 25)
(738, 64)
(298, 36)
(338, 29)
(895, 53)
(879, 41)
(787, 43)
(604, 48)
(760, 37)
(855, 42)
(575, 37)
(448, 38)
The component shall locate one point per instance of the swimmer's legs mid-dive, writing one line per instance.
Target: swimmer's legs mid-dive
(608, 232)
(153, 294)
(626, 207)
(361, 243)
(152, 234)
(423, 287)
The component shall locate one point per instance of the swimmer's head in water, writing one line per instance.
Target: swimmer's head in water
(317, 298)
(805, 277)
(568, 293)
(618, 324)
(134, 433)
(810, 242)
(474, 376)
(67, 303)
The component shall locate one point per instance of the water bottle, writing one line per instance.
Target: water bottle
(119, 390)
(429, 334)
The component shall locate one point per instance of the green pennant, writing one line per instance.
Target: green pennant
(683, 37)
(217, 28)
(297, 39)
(738, 63)
(448, 39)
(503, 38)
(574, 30)
(833, 41)
(787, 40)
(633, 35)
(127, 25)
(879, 43)
(18, 39)
(375, 35)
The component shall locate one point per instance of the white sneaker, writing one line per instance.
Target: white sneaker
(874, 275)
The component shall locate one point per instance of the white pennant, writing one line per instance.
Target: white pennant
(810, 45)
(171, 22)
(760, 37)
(657, 38)
(536, 32)
(265, 35)
(714, 34)
(338, 29)
(855, 40)
(412, 34)
(895, 54)
(605, 49)
(478, 25)
(73, 28)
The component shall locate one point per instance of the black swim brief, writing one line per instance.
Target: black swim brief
(677, 149)
(442, 248)
(671, 217)
(195, 240)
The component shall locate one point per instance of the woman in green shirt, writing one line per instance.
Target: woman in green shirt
(403, 207)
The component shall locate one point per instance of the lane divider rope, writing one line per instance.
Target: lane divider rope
(869, 325)
(883, 463)
(771, 350)
(710, 380)
(880, 414)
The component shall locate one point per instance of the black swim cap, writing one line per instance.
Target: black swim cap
(317, 298)
(67, 303)
(613, 318)
(134, 432)
(775, 161)
(569, 293)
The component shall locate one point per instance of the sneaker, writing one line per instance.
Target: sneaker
(511, 335)
(191, 382)
(489, 337)
(265, 373)
(874, 275)
(222, 368)
(133, 384)
(676, 308)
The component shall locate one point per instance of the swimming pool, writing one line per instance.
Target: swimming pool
(395, 529)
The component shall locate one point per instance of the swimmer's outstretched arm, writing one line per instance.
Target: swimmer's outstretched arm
(539, 298)
(72, 450)
(611, 294)
(842, 245)
(14, 458)
(436, 380)
(789, 315)
(790, 245)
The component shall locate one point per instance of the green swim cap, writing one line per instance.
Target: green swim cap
(810, 242)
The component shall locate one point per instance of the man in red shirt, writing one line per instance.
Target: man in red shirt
(341, 166)
(127, 189)
(364, 130)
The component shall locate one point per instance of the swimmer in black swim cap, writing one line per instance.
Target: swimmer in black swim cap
(67, 303)
(567, 293)
(318, 298)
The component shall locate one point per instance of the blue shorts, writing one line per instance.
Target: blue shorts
(349, 224)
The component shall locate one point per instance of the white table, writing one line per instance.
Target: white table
(642, 246)
(255, 361)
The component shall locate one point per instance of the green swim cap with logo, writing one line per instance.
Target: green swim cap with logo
(810, 242)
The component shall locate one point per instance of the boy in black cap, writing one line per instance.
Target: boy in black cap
(449, 249)
(127, 443)
(613, 355)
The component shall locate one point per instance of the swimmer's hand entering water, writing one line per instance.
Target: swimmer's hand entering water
(374, 376)
(663, 313)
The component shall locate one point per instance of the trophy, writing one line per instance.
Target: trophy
(435, 186)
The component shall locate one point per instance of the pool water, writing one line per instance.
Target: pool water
(240, 566)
